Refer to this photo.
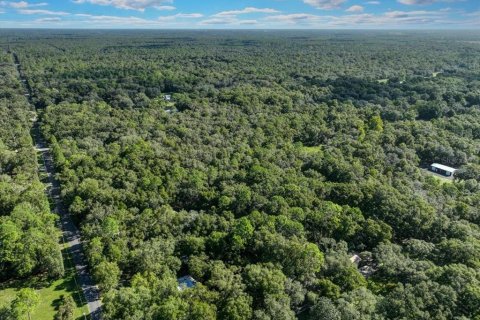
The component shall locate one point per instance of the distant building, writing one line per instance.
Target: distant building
(443, 170)
(367, 270)
(355, 259)
(186, 282)
(167, 97)
(364, 263)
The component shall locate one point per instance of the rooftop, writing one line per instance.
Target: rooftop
(442, 167)
(186, 282)
(355, 259)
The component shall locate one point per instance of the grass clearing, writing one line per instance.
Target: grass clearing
(442, 179)
(310, 150)
(50, 293)
(438, 177)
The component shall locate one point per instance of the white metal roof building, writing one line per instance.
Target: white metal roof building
(442, 169)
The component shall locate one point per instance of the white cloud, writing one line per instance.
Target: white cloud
(228, 21)
(45, 12)
(473, 14)
(248, 22)
(21, 4)
(424, 2)
(48, 20)
(218, 21)
(188, 15)
(245, 11)
(231, 17)
(407, 14)
(114, 20)
(411, 2)
(139, 5)
(180, 16)
(18, 5)
(165, 8)
(294, 18)
(352, 17)
(355, 8)
(103, 21)
(389, 19)
(325, 4)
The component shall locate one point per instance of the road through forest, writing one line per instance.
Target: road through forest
(71, 234)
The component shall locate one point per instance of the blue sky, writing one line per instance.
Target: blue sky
(242, 14)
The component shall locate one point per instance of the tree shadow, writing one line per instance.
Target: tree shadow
(69, 283)
(37, 282)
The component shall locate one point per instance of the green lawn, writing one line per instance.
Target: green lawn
(438, 177)
(50, 294)
(442, 179)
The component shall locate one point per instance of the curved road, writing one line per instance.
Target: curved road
(70, 232)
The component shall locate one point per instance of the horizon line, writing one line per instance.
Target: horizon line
(246, 29)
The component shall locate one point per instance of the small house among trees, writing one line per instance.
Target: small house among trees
(355, 259)
(186, 282)
(442, 169)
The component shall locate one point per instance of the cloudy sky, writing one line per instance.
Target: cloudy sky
(242, 14)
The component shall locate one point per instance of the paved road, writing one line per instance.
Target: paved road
(70, 232)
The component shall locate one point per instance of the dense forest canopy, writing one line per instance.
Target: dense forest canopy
(28, 236)
(286, 175)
